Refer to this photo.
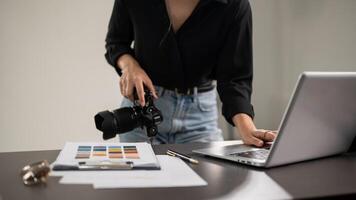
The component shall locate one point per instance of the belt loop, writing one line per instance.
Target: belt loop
(195, 90)
(195, 93)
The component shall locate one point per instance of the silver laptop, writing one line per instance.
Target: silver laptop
(320, 121)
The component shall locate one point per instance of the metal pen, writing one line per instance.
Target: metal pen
(182, 156)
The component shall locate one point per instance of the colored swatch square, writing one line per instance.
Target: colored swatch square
(99, 151)
(131, 152)
(115, 152)
(83, 152)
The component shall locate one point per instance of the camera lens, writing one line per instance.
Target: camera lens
(119, 121)
(127, 119)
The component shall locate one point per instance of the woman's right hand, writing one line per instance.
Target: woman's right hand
(133, 76)
(249, 134)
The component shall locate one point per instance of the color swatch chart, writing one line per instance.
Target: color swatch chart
(112, 152)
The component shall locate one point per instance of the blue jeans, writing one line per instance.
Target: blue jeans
(186, 118)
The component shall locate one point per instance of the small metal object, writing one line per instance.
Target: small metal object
(95, 165)
(181, 156)
(35, 173)
(105, 165)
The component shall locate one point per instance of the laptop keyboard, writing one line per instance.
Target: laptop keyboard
(260, 154)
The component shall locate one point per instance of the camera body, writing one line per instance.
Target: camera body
(126, 119)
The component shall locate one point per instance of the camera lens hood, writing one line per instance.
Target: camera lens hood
(106, 122)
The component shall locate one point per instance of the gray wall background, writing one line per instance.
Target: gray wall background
(54, 78)
(292, 36)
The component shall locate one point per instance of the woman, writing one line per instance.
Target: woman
(180, 47)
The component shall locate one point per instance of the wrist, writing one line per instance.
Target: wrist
(244, 123)
(125, 62)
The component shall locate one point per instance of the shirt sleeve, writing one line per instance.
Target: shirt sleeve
(120, 34)
(234, 71)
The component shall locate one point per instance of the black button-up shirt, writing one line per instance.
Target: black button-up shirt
(214, 43)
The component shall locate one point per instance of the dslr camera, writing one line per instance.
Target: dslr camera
(126, 119)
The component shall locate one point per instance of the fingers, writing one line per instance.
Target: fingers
(265, 135)
(254, 141)
(134, 77)
(124, 86)
(140, 92)
(150, 86)
(121, 84)
(259, 137)
(129, 90)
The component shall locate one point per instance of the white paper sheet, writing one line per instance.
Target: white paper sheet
(174, 173)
